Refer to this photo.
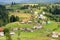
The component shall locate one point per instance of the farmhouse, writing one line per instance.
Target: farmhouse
(55, 34)
(1, 31)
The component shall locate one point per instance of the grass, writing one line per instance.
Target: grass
(17, 24)
(23, 16)
(2, 38)
(36, 35)
(51, 26)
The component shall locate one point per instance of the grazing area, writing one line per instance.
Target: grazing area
(30, 21)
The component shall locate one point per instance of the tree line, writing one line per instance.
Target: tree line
(4, 16)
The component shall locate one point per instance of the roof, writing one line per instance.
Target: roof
(1, 29)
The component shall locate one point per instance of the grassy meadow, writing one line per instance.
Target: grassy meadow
(25, 15)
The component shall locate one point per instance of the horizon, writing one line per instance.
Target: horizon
(29, 1)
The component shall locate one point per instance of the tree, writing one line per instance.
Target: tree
(55, 9)
(17, 18)
(7, 34)
(13, 3)
(13, 18)
(3, 15)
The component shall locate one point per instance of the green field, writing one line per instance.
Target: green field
(36, 35)
(25, 16)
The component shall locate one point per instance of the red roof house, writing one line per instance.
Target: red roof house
(1, 29)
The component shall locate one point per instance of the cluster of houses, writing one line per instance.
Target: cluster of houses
(29, 29)
(40, 16)
(37, 16)
(53, 34)
(12, 31)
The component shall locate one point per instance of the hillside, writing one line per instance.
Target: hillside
(30, 21)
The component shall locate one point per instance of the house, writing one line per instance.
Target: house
(1, 31)
(12, 33)
(36, 13)
(43, 13)
(41, 16)
(15, 29)
(37, 27)
(43, 22)
(27, 29)
(55, 35)
(22, 29)
(29, 22)
(22, 22)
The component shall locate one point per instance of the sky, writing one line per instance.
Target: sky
(21, 1)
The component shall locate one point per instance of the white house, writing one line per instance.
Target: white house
(35, 13)
(43, 13)
(22, 22)
(55, 35)
(42, 17)
(12, 33)
(43, 22)
(15, 29)
(29, 21)
(1, 33)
